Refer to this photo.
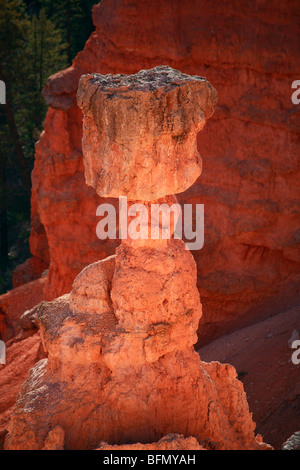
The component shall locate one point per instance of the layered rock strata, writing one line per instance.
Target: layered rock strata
(121, 365)
(249, 266)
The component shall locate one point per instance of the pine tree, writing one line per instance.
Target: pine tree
(37, 39)
(47, 56)
(31, 49)
(74, 19)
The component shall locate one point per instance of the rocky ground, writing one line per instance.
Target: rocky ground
(261, 354)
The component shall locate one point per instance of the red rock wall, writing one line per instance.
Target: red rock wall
(20, 357)
(249, 51)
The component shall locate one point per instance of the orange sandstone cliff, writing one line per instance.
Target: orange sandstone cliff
(121, 366)
(249, 265)
(248, 268)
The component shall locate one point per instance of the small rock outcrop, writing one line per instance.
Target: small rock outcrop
(249, 265)
(121, 366)
(293, 442)
(21, 356)
(126, 152)
(169, 442)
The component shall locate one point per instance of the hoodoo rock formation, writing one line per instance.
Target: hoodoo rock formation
(249, 265)
(157, 155)
(248, 270)
(121, 366)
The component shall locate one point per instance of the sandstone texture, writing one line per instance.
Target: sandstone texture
(293, 442)
(248, 268)
(23, 344)
(93, 399)
(121, 365)
(155, 219)
(15, 302)
(91, 288)
(249, 265)
(164, 304)
(20, 357)
(33, 268)
(169, 442)
(150, 148)
(262, 356)
(55, 439)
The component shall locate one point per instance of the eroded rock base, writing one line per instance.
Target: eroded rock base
(122, 380)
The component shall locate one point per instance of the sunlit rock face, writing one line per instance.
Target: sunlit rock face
(157, 154)
(249, 265)
(121, 367)
(250, 258)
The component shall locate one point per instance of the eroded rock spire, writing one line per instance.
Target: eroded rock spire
(139, 137)
(121, 365)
